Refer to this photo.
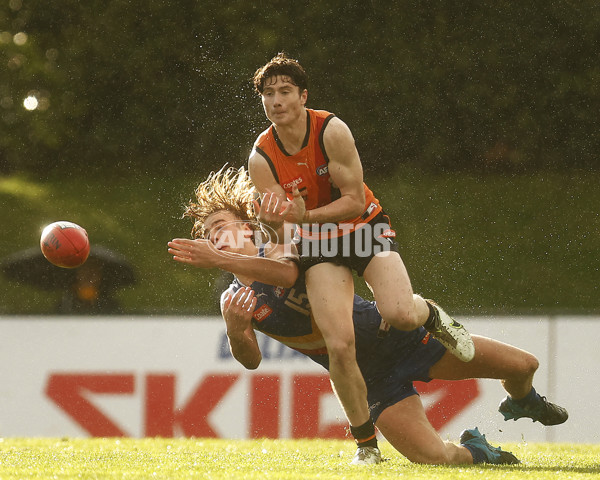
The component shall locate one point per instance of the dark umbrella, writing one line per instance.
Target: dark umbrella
(31, 267)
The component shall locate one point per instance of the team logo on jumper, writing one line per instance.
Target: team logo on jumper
(322, 170)
(291, 184)
(389, 233)
(262, 313)
(279, 291)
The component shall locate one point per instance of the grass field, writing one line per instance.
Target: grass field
(271, 459)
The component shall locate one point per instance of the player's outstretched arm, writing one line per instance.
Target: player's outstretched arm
(280, 272)
(237, 310)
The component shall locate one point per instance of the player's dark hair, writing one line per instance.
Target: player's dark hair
(281, 64)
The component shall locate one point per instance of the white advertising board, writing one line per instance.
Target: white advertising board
(168, 376)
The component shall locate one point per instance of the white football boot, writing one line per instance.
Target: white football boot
(452, 335)
(366, 456)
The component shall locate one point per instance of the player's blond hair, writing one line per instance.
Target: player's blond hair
(227, 189)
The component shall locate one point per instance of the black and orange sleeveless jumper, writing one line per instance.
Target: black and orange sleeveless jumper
(309, 171)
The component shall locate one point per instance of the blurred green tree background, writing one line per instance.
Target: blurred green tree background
(133, 102)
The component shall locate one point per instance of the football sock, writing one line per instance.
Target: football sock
(364, 435)
(430, 322)
(529, 399)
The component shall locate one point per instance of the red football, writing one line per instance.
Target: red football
(65, 244)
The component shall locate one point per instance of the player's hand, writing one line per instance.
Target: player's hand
(294, 210)
(270, 210)
(199, 253)
(238, 310)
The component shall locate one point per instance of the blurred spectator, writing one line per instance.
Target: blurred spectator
(87, 290)
(88, 294)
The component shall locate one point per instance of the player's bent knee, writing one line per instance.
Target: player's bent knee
(339, 341)
(341, 352)
(531, 364)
